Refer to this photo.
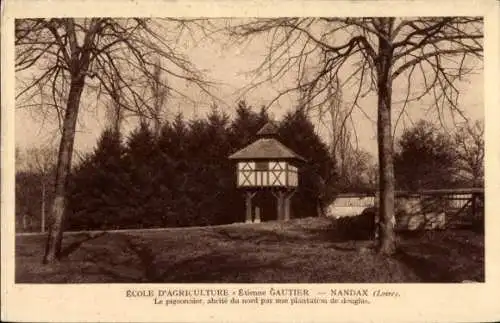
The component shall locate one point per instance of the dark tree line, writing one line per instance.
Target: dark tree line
(427, 157)
(182, 177)
(32, 200)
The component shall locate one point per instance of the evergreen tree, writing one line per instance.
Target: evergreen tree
(317, 175)
(28, 201)
(98, 186)
(424, 158)
(174, 173)
(245, 125)
(174, 138)
(216, 171)
(145, 188)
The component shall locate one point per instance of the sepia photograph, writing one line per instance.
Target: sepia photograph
(249, 150)
(282, 150)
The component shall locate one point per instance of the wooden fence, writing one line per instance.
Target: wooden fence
(425, 208)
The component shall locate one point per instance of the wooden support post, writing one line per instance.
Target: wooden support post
(376, 219)
(42, 222)
(280, 205)
(257, 215)
(287, 201)
(280, 201)
(474, 205)
(287, 209)
(248, 206)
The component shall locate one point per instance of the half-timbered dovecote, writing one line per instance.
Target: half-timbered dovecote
(268, 164)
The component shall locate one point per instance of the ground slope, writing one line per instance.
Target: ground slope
(313, 250)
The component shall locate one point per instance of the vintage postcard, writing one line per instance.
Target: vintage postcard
(250, 161)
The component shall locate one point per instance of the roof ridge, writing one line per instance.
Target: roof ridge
(269, 129)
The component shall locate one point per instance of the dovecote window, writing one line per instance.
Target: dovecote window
(261, 166)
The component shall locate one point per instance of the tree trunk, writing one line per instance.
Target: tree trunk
(387, 238)
(319, 209)
(54, 240)
(42, 220)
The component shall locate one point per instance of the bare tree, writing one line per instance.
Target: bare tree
(353, 163)
(82, 58)
(428, 55)
(42, 161)
(340, 134)
(115, 113)
(469, 152)
(20, 158)
(159, 94)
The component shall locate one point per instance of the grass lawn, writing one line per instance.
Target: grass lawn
(311, 250)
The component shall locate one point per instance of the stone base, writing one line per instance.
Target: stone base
(417, 213)
(429, 221)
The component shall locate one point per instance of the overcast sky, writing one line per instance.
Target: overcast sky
(230, 65)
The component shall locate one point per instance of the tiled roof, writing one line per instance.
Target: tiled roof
(266, 148)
